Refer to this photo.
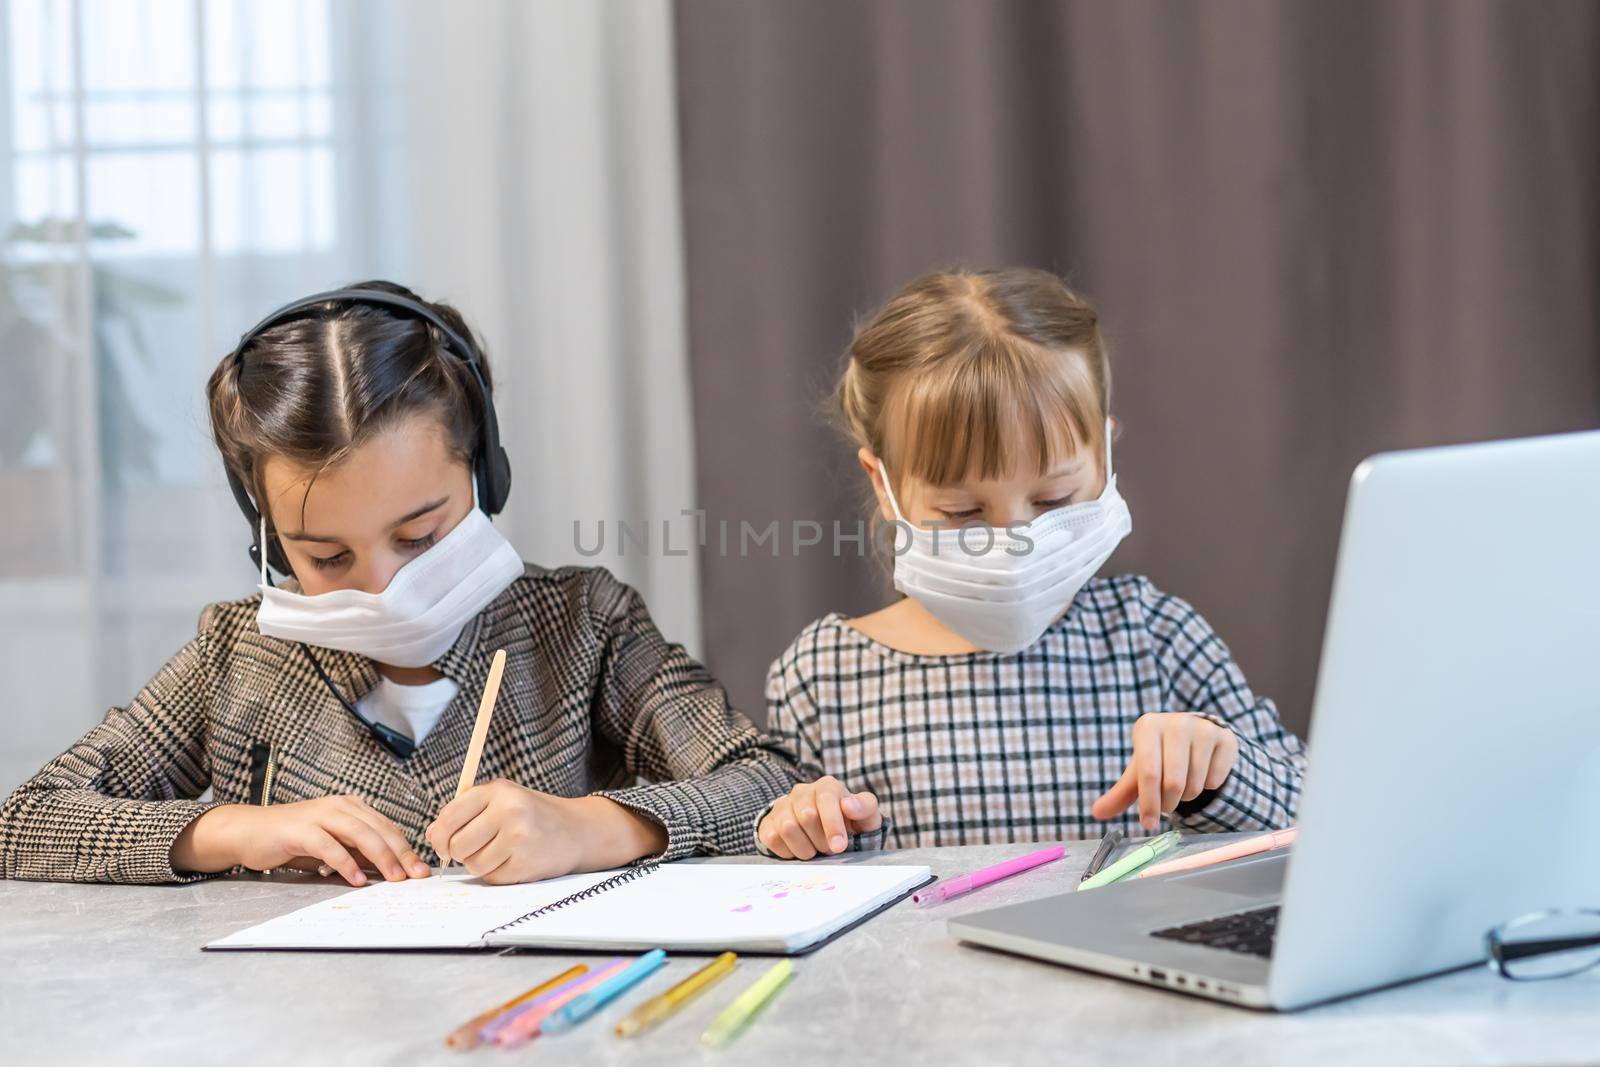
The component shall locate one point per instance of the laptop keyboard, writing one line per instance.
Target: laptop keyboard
(1247, 932)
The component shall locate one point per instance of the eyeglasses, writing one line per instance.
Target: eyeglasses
(1545, 944)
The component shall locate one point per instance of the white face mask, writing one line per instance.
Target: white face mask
(1000, 590)
(417, 617)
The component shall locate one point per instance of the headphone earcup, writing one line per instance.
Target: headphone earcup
(495, 488)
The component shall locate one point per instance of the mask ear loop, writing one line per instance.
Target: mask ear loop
(902, 528)
(264, 581)
(1110, 471)
(883, 472)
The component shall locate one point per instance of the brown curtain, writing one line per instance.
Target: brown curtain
(1316, 230)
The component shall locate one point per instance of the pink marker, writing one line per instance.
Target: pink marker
(940, 892)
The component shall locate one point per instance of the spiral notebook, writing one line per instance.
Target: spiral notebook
(684, 907)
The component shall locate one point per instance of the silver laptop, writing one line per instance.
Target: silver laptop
(1455, 752)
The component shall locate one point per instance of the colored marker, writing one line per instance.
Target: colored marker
(667, 1004)
(586, 1005)
(940, 892)
(1250, 846)
(736, 1016)
(1152, 849)
(466, 1036)
(527, 1021)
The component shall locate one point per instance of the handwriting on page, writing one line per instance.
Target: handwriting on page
(452, 910)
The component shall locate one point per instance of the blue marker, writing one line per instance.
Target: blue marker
(582, 1007)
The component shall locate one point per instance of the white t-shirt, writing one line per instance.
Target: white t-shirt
(411, 709)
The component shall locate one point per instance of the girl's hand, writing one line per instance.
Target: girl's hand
(343, 832)
(1176, 756)
(505, 833)
(817, 818)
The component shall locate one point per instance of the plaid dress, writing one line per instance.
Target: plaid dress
(592, 699)
(992, 747)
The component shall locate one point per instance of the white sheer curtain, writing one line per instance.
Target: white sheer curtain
(175, 168)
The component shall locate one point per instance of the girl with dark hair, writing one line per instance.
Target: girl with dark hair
(330, 715)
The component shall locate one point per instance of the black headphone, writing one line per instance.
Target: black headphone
(490, 464)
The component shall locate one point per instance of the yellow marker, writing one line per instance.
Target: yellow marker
(735, 1016)
(667, 1004)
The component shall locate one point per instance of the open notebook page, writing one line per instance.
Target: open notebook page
(451, 910)
(713, 906)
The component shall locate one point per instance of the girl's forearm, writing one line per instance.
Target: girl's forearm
(204, 845)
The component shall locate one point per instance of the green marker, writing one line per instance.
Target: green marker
(735, 1016)
(1150, 850)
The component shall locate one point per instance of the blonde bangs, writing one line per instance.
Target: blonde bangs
(1003, 406)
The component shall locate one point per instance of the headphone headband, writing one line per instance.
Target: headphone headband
(372, 298)
(491, 465)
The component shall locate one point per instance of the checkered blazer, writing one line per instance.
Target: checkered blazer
(592, 700)
(990, 747)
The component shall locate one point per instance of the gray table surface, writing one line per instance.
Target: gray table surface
(116, 972)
